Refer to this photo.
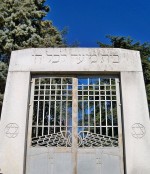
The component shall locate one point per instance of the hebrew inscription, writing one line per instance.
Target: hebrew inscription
(77, 58)
(11, 130)
(138, 130)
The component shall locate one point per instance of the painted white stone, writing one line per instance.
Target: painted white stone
(15, 110)
(23, 63)
(75, 59)
(135, 113)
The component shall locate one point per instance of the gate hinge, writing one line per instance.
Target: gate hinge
(31, 81)
(29, 104)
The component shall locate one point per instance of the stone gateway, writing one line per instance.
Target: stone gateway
(75, 111)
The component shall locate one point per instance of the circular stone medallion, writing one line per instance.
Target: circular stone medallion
(11, 130)
(138, 130)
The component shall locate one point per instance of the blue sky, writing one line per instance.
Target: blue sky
(91, 20)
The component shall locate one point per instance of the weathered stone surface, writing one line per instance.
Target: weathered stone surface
(13, 123)
(75, 59)
(136, 123)
(135, 116)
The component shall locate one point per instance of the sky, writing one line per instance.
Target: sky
(89, 21)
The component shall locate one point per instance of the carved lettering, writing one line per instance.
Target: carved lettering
(37, 57)
(93, 58)
(38, 60)
(74, 56)
(49, 56)
(37, 54)
(56, 58)
(64, 57)
(110, 58)
(79, 58)
(115, 59)
(105, 58)
(52, 58)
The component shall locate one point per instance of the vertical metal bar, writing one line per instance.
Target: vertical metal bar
(106, 109)
(61, 104)
(30, 119)
(100, 112)
(66, 108)
(94, 109)
(75, 124)
(55, 110)
(88, 108)
(82, 107)
(31, 113)
(112, 116)
(38, 107)
(49, 114)
(43, 110)
(118, 112)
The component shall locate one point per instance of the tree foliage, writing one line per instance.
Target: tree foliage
(22, 25)
(128, 43)
(3, 75)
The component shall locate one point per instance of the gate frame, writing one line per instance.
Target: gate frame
(135, 115)
(74, 149)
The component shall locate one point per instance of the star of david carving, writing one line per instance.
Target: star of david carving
(138, 130)
(11, 130)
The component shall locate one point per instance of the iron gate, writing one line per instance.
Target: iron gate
(74, 126)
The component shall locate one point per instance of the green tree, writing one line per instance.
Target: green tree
(22, 25)
(3, 75)
(128, 43)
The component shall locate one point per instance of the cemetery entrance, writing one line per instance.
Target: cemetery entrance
(74, 126)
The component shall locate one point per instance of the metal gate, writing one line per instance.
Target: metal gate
(74, 126)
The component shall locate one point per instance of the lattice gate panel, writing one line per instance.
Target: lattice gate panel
(52, 113)
(97, 112)
(74, 121)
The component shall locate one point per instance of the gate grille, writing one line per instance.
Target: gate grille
(52, 111)
(97, 112)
